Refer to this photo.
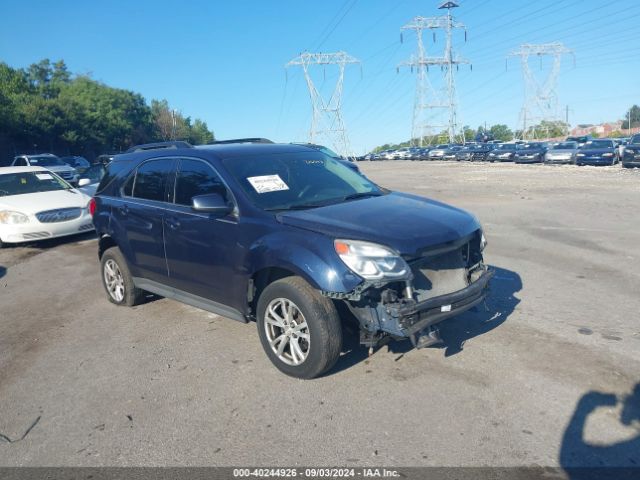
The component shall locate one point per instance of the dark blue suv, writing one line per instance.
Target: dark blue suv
(288, 237)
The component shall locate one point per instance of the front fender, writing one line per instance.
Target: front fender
(309, 255)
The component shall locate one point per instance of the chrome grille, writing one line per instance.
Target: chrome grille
(58, 215)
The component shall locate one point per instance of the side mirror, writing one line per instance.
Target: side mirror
(83, 182)
(211, 203)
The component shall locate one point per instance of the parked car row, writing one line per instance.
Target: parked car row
(583, 150)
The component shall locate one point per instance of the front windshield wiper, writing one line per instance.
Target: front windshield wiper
(355, 196)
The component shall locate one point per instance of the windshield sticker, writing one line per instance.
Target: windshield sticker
(44, 176)
(267, 183)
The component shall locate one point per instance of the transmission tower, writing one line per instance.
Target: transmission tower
(428, 101)
(326, 118)
(540, 98)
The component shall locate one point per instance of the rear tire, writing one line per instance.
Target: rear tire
(117, 280)
(299, 329)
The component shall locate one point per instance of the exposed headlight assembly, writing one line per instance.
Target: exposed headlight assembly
(9, 217)
(370, 260)
(580, 155)
(607, 154)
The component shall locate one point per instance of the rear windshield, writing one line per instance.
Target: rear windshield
(30, 182)
(291, 181)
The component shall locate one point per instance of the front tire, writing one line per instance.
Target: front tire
(299, 329)
(117, 280)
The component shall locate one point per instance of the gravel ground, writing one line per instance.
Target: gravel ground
(544, 375)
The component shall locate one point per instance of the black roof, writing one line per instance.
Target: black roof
(220, 150)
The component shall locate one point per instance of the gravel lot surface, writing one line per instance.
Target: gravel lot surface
(544, 376)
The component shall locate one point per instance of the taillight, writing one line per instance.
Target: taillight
(92, 206)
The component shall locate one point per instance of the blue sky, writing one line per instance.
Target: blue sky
(224, 61)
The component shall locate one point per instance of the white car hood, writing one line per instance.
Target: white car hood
(32, 203)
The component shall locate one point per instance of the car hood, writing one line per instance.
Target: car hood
(596, 151)
(32, 203)
(406, 223)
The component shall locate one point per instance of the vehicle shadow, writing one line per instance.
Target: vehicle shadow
(52, 242)
(500, 303)
(585, 461)
(3, 271)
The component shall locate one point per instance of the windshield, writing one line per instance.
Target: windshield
(327, 151)
(506, 146)
(565, 146)
(30, 182)
(635, 139)
(530, 146)
(577, 139)
(598, 144)
(298, 180)
(46, 161)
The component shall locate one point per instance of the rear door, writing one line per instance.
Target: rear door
(202, 249)
(139, 217)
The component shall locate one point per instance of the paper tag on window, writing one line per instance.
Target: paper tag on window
(267, 183)
(445, 308)
(44, 176)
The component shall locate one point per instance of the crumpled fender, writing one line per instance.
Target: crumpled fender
(308, 255)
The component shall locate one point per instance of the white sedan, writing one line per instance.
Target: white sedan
(36, 204)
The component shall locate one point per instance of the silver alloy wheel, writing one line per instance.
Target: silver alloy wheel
(113, 280)
(287, 331)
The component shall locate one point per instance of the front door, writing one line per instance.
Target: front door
(202, 249)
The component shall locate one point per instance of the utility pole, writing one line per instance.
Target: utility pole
(428, 101)
(540, 98)
(326, 118)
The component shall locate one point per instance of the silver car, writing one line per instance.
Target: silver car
(50, 162)
(562, 152)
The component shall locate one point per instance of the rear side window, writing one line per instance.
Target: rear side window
(20, 162)
(151, 180)
(196, 178)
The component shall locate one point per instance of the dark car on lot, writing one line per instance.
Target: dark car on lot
(530, 152)
(479, 152)
(79, 163)
(597, 152)
(631, 153)
(450, 153)
(290, 238)
(503, 152)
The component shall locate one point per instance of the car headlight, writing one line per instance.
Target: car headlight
(483, 242)
(580, 155)
(8, 217)
(607, 154)
(631, 151)
(370, 260)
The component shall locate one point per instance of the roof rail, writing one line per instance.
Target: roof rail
(159, 146)
(242, 140)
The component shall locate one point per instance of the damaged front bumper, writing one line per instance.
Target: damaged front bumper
(443, 283)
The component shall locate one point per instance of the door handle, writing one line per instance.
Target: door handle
(172, 223)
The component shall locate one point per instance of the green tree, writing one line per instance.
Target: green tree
(501, 132)
(632, 116)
